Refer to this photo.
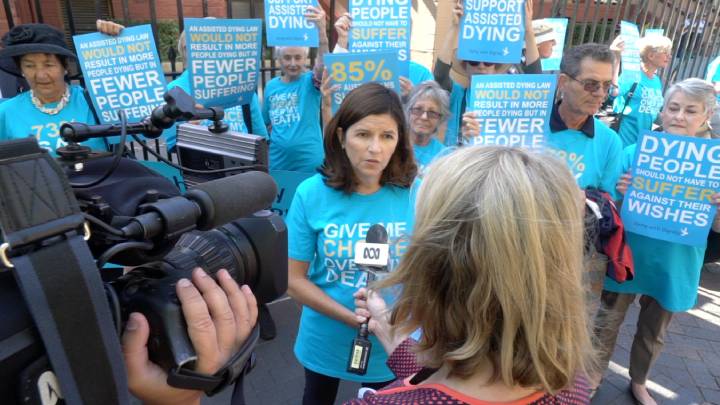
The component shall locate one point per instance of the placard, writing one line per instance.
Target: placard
(223, 60)
(513, 110)
(121, 73)
(560, 27)
(286, 25)
(673, 180)
(382, 25)
(492, 31)
(350, 70)
(287, 182)
(631, 54)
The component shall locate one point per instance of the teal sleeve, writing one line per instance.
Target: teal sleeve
(613, 167)
(256, 116)
(624, 87)
(301, 237)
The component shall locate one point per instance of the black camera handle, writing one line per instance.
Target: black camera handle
(42, 227)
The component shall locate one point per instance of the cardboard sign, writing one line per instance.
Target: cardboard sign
(223, 60)
(674, 178)
(560, 27)
(286, 25)
(287, 182)
(122, 73)
(350, 70)
(513, 110)
(492, 31)
(631, 54)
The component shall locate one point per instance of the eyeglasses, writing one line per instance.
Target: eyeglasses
(591, 86)
(475, 63)
(418, 112)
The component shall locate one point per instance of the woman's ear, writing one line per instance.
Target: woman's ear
(341, 137)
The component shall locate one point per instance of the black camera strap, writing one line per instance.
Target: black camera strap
(43, 230)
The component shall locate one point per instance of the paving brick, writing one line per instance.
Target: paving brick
(711, 396)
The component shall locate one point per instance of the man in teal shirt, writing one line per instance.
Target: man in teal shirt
(591, 149)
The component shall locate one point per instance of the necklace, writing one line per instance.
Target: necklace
(53, 110)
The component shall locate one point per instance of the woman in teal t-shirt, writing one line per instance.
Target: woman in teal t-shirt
(639, 100)
(38, 53)
(667, 275)
(426, 110)
(365, 179)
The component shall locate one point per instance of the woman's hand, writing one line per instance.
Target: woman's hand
(458, 12)
(623, 183)
(470, 125)
(317, 16)
(406, 87)
(327, 88)
(108, 27)
(343, 25)
(715, 198)
(371, 308)
(618, 45)
(219, 317)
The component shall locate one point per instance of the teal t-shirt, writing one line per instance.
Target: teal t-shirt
(419, 73)
(293, 112)
(713, 73)
(233, 115)
(19, 118)
(426, 154)
(643, 109)
(666, 271)
(323, 226)
(595, 161)
(458, 104)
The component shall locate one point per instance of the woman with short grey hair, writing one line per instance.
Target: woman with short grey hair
(427, 109)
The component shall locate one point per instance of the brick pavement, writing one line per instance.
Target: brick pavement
(687, 372)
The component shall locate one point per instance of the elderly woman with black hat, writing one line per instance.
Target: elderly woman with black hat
(39, 54)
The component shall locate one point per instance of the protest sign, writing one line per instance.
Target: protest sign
(287, 182)
(223, 60)
(654, 31)
(560, 27)
(631, 54)
(513, 110)
(350, 70)
(286, 25)
(121, 73)
(673, 180)
(492, 31)
(382, 25)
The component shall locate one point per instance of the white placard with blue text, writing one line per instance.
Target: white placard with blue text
(122, 73)
(513, 110)
(673, 179)
(560, 27)
(631, 54)
(381, 25)
(492, 31)
(350, 70)
(223, 60)
(286, 25)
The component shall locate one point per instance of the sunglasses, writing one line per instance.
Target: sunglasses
(418, 112)
(591, 86)
(475, 63)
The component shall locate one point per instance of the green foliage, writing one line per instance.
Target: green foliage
(167, 36)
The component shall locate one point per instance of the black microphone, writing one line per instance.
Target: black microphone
(372, 256)
(206, 206)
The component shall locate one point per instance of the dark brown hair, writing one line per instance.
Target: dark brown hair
(368, 99)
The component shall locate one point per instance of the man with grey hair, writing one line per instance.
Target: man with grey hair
(592, 150)
(291, 107)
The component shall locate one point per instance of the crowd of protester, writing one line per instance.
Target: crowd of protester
(494, 297)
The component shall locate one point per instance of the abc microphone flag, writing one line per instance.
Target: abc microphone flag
(371, 256)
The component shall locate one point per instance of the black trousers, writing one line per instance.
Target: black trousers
(322, 390)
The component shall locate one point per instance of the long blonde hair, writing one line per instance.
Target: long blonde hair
(494, 269)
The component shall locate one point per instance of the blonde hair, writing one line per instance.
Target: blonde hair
(494, 269)
(653, 43)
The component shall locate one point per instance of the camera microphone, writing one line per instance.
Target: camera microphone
(203, 207)
(372, 256)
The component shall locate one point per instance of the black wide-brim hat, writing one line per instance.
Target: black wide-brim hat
(31, 38)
